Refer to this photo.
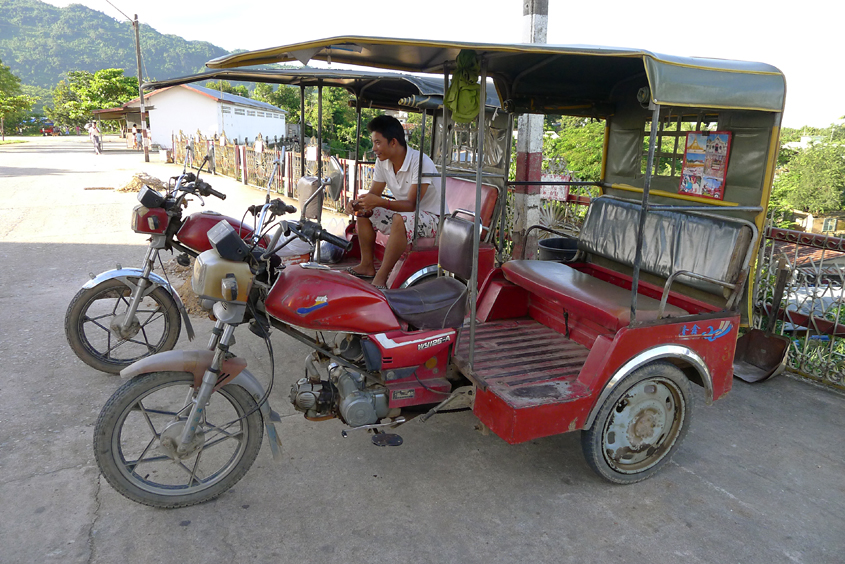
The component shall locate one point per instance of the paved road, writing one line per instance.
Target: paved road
(759, 478)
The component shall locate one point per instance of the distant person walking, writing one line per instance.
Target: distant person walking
(95, 136)
(138, 138)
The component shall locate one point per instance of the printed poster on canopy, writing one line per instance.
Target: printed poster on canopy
(705, 164)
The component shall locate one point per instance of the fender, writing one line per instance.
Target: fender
(233, 371)
(250, 383)
(124, 274)
(194, 362)
(663, 351)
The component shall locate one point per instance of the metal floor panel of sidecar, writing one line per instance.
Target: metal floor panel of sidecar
(525, 363)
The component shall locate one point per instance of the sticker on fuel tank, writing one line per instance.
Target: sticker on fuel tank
(320, 301)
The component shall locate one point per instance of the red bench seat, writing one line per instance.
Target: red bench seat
(585, 295)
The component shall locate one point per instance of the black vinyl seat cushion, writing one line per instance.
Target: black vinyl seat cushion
(436, 304)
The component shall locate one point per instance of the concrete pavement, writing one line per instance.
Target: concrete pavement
(759, 478)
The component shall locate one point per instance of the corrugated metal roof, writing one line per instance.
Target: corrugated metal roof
(234, 99)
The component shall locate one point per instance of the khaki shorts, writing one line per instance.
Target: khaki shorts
(382, 219)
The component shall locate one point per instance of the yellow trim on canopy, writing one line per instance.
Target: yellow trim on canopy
(663, 193)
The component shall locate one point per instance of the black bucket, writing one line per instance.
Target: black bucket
(558, 249)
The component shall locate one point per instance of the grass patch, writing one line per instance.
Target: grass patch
(10, 141)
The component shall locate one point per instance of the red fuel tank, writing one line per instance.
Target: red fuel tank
(329, 300)
(194, 231)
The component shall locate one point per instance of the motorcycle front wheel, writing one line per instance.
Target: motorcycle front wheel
(95, 332)
(136, 433)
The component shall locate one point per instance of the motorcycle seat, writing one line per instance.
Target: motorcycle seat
(437, 304)
(442, 302)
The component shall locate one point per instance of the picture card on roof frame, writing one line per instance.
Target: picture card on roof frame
(706, 155)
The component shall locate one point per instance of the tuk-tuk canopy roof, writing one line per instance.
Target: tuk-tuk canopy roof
(552, 78)
(374, 89)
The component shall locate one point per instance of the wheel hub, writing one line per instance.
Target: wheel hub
(130, 331)
(170, 437)
(638, 428)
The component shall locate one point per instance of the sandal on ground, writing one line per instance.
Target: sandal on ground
(352, 271)
(380, 287)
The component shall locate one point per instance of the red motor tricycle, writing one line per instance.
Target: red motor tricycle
(608, 343)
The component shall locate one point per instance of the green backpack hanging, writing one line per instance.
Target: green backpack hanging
(462, 98)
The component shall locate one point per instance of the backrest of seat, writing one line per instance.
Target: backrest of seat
(672, 241)
(460, 195)
(456, 247)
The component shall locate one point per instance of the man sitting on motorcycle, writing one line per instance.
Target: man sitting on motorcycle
(397, 169)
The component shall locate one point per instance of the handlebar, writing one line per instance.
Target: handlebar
(205, 189)
(336, 241)
(308, 230)
(313, 232)
(276, 207)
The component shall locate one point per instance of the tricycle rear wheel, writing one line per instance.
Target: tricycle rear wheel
(640, 425)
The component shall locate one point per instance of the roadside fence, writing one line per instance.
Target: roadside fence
(243, 163)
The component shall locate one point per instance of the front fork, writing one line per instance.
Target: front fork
(143, 282)
(222, 336)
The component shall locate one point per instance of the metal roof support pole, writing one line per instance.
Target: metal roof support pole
(319, 156)
(419, 179)
(357, 148)
(320, 135)
(319, 162)
(301, 131)
(652, 145)
(503, 197)
(444, 147)
(476, 232)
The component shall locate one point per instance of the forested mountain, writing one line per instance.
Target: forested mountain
(40, 43)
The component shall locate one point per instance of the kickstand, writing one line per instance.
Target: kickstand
(465, 394)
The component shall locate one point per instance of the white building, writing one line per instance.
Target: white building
(189, 108)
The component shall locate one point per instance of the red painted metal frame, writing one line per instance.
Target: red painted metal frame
(608, 353)
(710, 334)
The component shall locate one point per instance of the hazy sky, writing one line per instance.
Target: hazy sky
(801, 38)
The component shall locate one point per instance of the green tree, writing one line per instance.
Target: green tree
(284, 97)
(229, 88)
(76, 98)
(580, 141)
(12, 102)
(813, 180)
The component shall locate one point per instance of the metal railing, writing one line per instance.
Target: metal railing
(811, 312)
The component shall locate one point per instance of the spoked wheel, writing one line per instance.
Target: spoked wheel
(138, 430)
(95, 332)
(640, 425)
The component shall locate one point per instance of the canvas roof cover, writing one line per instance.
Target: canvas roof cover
(551, 77)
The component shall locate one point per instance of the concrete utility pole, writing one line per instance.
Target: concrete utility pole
(140, 80)
(141, 92)
(529, 145)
